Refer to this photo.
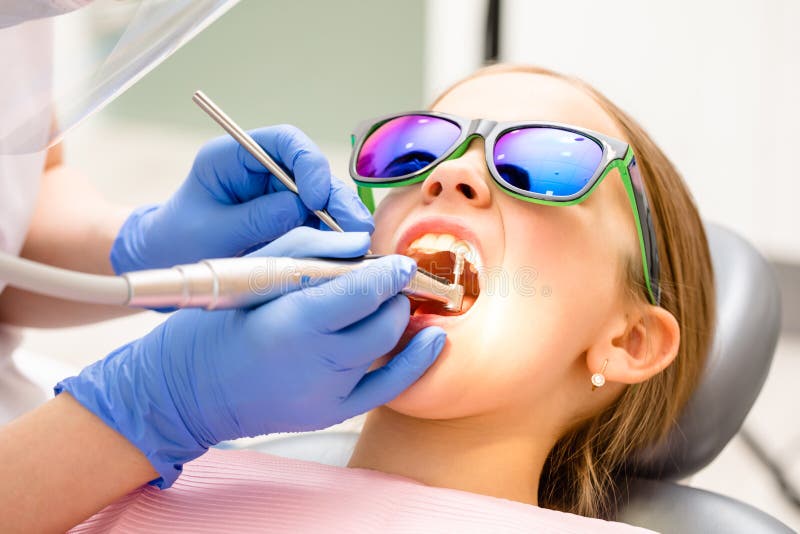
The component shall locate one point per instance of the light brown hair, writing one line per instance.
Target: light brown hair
(584, 470)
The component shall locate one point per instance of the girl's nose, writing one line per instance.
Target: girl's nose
(463, 179)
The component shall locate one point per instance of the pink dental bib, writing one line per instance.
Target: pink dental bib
(243, 491)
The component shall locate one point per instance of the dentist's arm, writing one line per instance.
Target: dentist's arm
(60, 464)
(73, 227)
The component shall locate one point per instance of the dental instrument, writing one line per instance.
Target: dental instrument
(249, 144)
(211, 284)
(244, 282)
(458, 268)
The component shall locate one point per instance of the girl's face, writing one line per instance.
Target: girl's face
(551, 278)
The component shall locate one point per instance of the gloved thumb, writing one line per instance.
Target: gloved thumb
(384, 384)
(305, 242)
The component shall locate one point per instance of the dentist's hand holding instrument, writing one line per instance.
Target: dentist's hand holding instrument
(230, 203)
(296, 363)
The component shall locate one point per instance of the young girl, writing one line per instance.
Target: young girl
(583, 333)
(511, 395)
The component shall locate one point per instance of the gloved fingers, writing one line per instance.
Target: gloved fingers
(347, 299)
(228, 172)
(265, 218)
(384, 384)
(347, 209)
(307, 242)
(294, 150)
(232, 175)
(361, 343)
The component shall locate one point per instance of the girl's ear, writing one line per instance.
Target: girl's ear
(639, 347)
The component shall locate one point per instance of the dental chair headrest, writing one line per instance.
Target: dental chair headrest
(748, 321)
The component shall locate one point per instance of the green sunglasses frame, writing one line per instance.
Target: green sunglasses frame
(616, 155)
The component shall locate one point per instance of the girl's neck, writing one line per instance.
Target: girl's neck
(481, 454)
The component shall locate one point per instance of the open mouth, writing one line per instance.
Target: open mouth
(438, 254)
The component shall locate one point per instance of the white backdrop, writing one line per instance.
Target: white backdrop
(716, 83)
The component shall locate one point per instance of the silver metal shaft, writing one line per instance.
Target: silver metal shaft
(249, 144)
(243, 282)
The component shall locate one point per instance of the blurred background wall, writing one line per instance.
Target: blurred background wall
(714, 82)
(321, 66)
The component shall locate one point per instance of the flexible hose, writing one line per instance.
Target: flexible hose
(61, 283)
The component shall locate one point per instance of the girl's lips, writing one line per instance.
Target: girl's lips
(442, 262)
(420, 319)
(438, 310)
(423, 320)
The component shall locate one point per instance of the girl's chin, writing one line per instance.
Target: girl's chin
(417, 398)
(424, 398)
(420, 398)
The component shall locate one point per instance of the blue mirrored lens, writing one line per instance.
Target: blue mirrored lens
(405, 145)
(547, 161)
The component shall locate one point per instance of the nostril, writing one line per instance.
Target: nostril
(435, 189)
(466, 190)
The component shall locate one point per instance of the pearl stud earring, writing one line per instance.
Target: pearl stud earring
(598, 379)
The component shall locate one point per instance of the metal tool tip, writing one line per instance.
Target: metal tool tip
(458, 268)
(456, 298)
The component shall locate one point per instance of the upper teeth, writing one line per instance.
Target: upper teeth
(429, 243)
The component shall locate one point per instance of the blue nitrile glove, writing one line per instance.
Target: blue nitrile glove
(230, 204)
(295, 363)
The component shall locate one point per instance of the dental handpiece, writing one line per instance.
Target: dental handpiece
(211, 284)
(243, 282)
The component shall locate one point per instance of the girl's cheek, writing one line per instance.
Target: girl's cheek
(389, 215)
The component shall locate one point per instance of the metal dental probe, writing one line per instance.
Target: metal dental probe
(249, 144)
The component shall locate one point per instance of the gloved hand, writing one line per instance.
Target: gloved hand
(295, 363)
(230, 204)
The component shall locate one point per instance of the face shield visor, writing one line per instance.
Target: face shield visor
(96, 52)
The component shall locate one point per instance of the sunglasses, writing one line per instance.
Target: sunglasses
(541, 162)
